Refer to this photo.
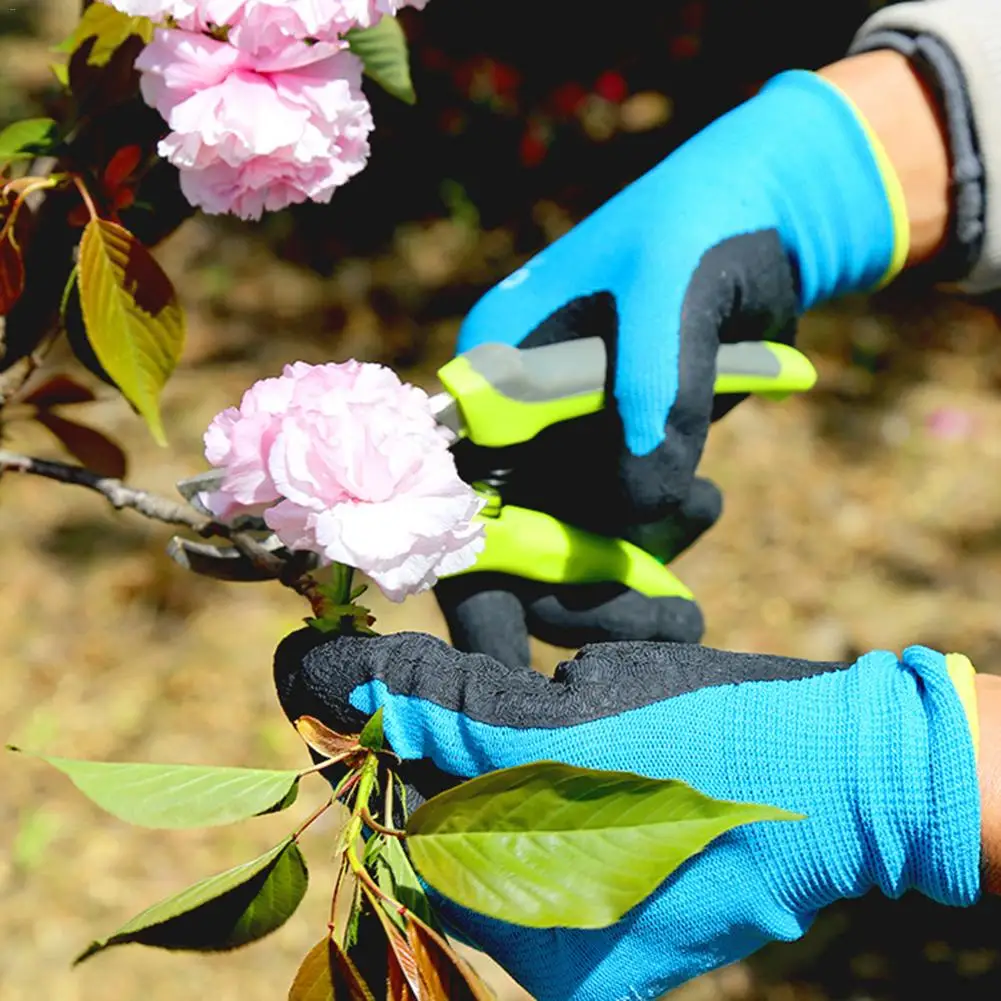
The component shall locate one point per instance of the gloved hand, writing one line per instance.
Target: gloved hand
(783, 203)
(877, 754)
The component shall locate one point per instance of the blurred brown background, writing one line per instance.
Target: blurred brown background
(865, 516)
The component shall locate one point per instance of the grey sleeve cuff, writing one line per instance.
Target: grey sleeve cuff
(957, 46)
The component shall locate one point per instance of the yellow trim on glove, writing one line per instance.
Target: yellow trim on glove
(894, 192)
(962, 673)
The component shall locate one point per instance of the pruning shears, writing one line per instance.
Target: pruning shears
(497, 396)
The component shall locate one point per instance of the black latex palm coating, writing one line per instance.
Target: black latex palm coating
(316, 674)
(578, 471)
(743, 289)
(495, 613)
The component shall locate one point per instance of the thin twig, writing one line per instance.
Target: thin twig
(120, 497)
(314, 816)
(114, 491)
(326, 763)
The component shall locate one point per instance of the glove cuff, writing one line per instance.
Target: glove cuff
(840, 206)
(919, 796)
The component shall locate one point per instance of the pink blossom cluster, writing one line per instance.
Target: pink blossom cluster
(262, 97)
(346, 461)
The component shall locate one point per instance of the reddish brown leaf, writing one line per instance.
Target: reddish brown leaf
(445, 976)
(401, 957)
(327, 973)
(314, 980)
(11, 271)
(348, 982)
(95, 451)
(398, 984)
(59, 391)
(78, 216)
(323, 740)
(125, 198)
(121, 166)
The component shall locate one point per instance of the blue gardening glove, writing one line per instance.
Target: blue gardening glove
(783, 203)
(877, 754)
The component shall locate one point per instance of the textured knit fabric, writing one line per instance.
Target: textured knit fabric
(878, 755)
(971, 29)
(795, 160)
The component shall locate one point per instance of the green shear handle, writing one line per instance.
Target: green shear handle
(499, 395)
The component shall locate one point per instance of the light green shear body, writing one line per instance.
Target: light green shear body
(505, 396)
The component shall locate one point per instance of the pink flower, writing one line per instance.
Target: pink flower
(297, 19)
(157, 10)
(359, 469)
(256, 132)
(273, 115)
(365, 13)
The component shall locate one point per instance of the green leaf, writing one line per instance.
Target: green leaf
(28, 139)
(371, 735)
(225, 911)
(383, 50)
(547, 845)
(178, 796)
(396, 877)
(133, 319)
(110, 28)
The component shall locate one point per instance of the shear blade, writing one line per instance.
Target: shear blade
(203, 483)
(220, 562)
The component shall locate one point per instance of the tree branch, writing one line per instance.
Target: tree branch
(156, 508)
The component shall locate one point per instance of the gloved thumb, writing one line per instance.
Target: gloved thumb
(438, 704)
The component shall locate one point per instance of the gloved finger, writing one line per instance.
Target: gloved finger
(459, 710)
(566, 615)
(523, 301)
(495, 613)
(723, 403)
(742, 289)
(572, 615)
(668, 538)
(485, 614)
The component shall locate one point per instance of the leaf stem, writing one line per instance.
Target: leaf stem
(7, 231)
(391, 832)
(315, 815)
(85, 195)
(363, 876)
(387, 815)
(326, 763)
(346, 784)
(343, 869)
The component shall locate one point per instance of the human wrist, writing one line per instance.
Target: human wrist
(903, 113)
(988, 688)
